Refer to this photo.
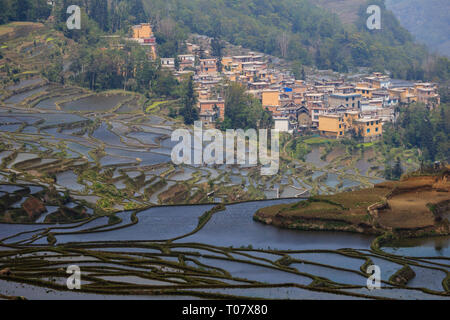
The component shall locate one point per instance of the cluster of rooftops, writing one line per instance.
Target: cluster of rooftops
(296, 105)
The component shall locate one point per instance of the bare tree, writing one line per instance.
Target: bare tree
(167, 27)
(283, 42)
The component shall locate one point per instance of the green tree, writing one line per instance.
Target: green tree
(421, 128)
(242, 110)
(387, 170)
(397, 171)
(216, 47)
(99, 13)
(189, 110)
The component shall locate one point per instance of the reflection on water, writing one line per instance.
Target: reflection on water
(422, 247)
(235, 227)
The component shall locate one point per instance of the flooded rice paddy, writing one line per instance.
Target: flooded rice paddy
(149, 229)
(165, 251)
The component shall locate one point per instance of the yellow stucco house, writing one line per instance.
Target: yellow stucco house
(142, 31)
(369, 129)
(270, 98)
(365, 92)
(332, 125)
(143, 34)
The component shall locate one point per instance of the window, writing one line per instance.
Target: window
(340, 133)
(368, 130)
(371, 123)
(340, 126)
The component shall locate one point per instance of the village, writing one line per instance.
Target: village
(331, 108)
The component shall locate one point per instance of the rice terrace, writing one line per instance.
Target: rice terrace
(87, 180)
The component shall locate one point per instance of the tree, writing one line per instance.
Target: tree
(21, 9)
(219, 64)
(387, 170)
(189, 110)
(266, 120)
(283, 43)
(5, 13)
(216, 47)
(397, 171)
(165, 84)
(421, 128)
(99, 13)
(54, 72)
(297, 69)
(172, 112)
(216, 51)
(242, 110)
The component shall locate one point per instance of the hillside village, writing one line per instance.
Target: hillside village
(331, 108)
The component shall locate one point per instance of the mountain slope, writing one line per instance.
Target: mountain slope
(347, 10)
(427, 20)
(300, 30)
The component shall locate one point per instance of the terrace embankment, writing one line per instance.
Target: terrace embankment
(415, 206)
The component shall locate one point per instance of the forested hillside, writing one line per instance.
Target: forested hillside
(23, 10)
(347, 10)
(300, 30)
(417, 127)
(427, 20)
(297, 30)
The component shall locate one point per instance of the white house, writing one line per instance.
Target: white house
(168, 63)
(283, 124)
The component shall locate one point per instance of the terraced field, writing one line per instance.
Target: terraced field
(63, 136)
(86, 179)
(208, 251)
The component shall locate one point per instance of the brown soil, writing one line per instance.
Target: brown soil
(335, 153)
(18, 29)
(176, 193)
(408, 207)
(414, 204)
(34, 207)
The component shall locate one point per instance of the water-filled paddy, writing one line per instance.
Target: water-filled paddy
(128, 145)
(68, 180)
(104, 135)
(159, 223)
(430, 247)
(94, 103)
(22, 96)
(235, 227)
(145, 157)
(24, 83)
(314, 158)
